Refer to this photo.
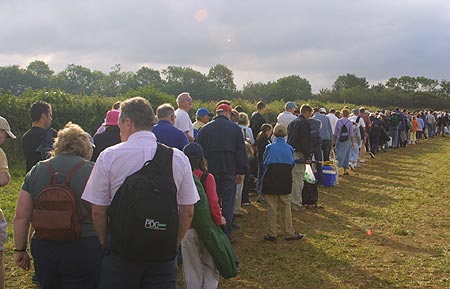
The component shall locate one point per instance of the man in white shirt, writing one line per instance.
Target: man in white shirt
(182, 120)
(333, 118)
(110, 171)
(358, 122)
(287, 115)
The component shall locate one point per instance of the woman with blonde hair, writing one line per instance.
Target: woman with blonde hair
(59, 262)
(343, 140)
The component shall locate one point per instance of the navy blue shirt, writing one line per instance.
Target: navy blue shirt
(169, 135)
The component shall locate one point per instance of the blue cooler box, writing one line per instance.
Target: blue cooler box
(329, 176)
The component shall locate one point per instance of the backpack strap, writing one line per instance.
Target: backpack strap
(74, 170)
(69, 176)
(50, 170)
(163, 159)
(203, 179)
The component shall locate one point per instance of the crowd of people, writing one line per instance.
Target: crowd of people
(113, 210)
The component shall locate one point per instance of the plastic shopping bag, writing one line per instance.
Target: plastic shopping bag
(309, 175)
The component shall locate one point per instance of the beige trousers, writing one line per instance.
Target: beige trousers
(298, 174)
(281, 204)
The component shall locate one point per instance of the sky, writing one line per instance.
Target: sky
(259, 40)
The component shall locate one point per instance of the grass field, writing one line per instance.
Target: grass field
(402, 196)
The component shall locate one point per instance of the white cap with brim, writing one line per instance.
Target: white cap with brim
(5, 125)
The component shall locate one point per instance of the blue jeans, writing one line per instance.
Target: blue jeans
(226, 190)
(431, 129)
(67, 264)
(119, 273)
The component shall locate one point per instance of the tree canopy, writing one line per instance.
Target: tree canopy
(218, 83)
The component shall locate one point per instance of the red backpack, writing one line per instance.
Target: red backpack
(55, 209)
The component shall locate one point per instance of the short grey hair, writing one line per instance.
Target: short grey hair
(180, 96)
(139, 111)
(165, 110)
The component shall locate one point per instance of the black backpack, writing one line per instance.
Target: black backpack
(343, 136)
(310, 194)
(143, 215)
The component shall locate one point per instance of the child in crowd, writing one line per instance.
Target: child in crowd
(199, 269)
(277, 184)
(262, 140)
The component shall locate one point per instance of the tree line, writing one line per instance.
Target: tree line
(405, 91)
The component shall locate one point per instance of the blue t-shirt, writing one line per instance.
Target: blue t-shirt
(169, 135)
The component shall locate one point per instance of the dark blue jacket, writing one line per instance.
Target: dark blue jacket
(223, 147)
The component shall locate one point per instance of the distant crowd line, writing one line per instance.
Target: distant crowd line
(115, 210)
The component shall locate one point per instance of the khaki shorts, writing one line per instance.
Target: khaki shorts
(3, 230)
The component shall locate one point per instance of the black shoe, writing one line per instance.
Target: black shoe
(235, 226)
(267, 237)
(296, 236)
(372, 155)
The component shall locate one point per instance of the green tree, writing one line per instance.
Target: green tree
(40, 69)
(75, 79)
(349, 81)
(293, 87)
(41, 73)
(179, 79)
(118, 81)
(259, 91)
(221, 81)
(148, 76)
(15, 79)
(444, 89)
(426, 84)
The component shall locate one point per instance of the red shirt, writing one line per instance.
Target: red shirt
(211, 194)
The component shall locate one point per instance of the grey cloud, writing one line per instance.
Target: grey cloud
(318, 40)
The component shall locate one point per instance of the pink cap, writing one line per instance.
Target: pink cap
(112, 117)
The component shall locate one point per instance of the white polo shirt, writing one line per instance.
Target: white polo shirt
(117, 162)
(183, 122)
